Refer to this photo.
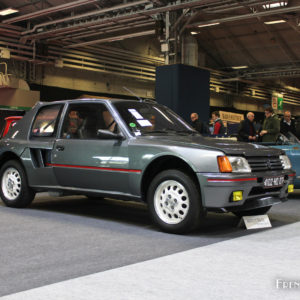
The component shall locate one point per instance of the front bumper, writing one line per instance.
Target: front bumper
(217, 189)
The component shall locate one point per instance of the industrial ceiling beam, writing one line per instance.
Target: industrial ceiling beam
(248, 16)
(223, 8)
(48, 11)
(104, 29)
(112, 39)
(149, 12)
(86, 15)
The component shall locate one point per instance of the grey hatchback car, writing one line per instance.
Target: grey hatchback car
(138, 150)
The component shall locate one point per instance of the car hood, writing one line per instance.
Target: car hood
(227, 146)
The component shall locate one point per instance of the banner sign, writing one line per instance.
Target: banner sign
(274, 102)
(231, 117)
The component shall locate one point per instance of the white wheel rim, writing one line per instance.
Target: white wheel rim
(171, 202)
(11, 184)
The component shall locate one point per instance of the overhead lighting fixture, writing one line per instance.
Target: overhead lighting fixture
(194, 32)
(275, 22)
(8, 11)
(275, 4)
(239, 67)
(210, 24)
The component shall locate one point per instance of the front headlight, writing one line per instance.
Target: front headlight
(239, 164)
(286, 163)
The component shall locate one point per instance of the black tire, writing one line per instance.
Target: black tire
(179, 212)
(14, 189)
(252, 212)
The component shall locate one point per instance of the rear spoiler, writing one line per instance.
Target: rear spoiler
(10, 122)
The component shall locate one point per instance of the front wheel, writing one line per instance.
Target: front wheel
(14, 190)
(174, 202)
(252, 212)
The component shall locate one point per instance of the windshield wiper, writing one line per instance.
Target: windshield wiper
(170, 130)
(156, 131)
(187, 131)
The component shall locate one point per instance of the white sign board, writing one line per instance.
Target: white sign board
(255, 222)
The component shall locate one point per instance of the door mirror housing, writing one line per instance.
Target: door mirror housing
(108, 135)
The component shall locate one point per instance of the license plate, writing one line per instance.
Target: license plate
(273, 181)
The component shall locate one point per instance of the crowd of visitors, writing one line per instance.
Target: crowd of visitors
(249, 130)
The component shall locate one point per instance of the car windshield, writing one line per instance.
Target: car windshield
(287, 139)
(144, 118)
(291, 138)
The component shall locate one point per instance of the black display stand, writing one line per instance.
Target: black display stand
(184, 89)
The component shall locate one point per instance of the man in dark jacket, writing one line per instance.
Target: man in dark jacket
(287, 124)
(197, 124)
(246, 132)
(271, 126)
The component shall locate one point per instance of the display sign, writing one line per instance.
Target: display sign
(277, 101)
(231, 117)
(274, 102)
(280, 102)
(255, 222)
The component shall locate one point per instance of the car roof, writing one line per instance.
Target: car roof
(100, 100)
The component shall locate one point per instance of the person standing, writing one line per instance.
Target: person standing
(246, 131)
(287, 124)
(218, 124)
(271, 126)
(197, 124)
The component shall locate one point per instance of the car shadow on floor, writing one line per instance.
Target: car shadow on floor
(105, 209)
(133, 213)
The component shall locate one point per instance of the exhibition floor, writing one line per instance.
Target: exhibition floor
(74, 248)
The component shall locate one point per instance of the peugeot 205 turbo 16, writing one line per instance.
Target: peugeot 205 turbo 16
(138, 150)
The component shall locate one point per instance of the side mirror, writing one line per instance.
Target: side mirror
(108, 135)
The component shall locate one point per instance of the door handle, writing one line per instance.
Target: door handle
(60, 148)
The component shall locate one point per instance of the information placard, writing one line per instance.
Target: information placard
(255, 222)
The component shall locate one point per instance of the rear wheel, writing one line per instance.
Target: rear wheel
(14, 190)
(174, 202)
(252, 212)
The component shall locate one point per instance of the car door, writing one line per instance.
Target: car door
(84, 161)
(37, 155)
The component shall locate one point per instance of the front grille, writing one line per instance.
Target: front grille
(259, 164)
(259, 191)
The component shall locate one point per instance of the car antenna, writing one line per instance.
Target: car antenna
(132, 93)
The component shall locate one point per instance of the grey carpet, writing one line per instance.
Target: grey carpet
(58, 239)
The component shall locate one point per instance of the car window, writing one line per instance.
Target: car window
(46, 121)
(144, 118)
(82, 121)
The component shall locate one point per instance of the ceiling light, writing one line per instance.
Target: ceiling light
(8, 11)
(194, 32)
(275, 4)
(210, 24)
(239, 67)
(275, 22)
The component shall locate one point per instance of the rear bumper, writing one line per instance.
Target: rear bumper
(217, 189)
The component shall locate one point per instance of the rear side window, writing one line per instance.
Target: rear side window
(46, 121)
